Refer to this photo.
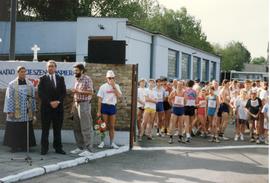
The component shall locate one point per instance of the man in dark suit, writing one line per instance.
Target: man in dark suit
(52, 91)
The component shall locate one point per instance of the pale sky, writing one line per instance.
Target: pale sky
(222, 21)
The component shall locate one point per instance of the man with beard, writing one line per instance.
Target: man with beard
(83, 130)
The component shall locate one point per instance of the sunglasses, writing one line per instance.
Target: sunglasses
(110, 78)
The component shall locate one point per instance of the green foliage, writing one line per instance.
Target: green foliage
(178, 25)
(258, 60)
(234, 55)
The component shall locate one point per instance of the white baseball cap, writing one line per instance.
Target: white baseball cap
(110, 74)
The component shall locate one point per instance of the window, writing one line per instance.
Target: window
(172, 64)
(213, 70)
(185, 66)
(205, 70)
(196, 68)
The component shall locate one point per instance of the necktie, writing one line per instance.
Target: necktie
(52, 80)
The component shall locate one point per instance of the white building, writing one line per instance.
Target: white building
(156, 54)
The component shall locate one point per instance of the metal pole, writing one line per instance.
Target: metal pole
(13, 15)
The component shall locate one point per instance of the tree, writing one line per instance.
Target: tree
(234, 55)
(180, 26)
(258, 60)
(148, 14)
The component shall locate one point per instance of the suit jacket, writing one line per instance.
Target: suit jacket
(48, 93)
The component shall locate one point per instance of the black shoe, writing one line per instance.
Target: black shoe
(44, 152)
(60, 151)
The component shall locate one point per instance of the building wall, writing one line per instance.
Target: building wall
(86, 26)
(54, 37)
(51, 37)
(141, 42)
(161, 46)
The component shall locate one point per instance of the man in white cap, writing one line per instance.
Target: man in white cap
(107, 99)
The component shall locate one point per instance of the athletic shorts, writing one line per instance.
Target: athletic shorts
(201, 111)
(108, 109)
(159, 107)
(189, 110)
(148, 110)
(211, 111)
(242, 121)
(167, 106)
(223, 108)
(178, 111)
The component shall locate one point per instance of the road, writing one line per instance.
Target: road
(170, 166)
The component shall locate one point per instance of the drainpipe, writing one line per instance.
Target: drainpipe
(152, 56)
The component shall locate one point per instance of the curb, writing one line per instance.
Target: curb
(198, 148)
(61, 165)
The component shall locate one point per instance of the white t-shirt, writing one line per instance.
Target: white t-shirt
(240, 105)
(106, 92)
(140, 96)
(152, 94)
(160, 94)
(263, 94)
(265, 109)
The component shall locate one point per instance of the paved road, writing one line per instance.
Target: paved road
(170, 166)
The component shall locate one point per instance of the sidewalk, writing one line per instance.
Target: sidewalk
(18, 169)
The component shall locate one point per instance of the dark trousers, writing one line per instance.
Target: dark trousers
(57, 126)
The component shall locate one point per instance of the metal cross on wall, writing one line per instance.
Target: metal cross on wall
(35, 49)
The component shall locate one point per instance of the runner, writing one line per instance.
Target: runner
(160, 108)
(212, 109)
(176, 99)
(140, 103)
(253, 109)
(190, 103)
(265, 111)
(167, 107)
(224, 109)
(241, 115)
(202, 112)
(149, 111)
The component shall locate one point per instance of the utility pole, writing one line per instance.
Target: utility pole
(13, 15)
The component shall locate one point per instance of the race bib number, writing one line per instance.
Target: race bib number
(160, 98)
(212, 104)
(179, 100)
(166, 94)
(202, 103)
(190, 102)
(254, 103)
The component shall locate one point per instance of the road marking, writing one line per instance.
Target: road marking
(136, 148)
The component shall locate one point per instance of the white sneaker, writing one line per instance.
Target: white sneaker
(242, 137)
(114, 146)
(86, 153)
(101, 145)
(76, 151)
(236, 137)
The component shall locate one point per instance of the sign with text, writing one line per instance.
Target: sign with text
(34, 70)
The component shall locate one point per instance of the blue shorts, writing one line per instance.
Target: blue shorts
(178, 111)
(211, 111)
(108, 109)
(159, 107)
(223, 108)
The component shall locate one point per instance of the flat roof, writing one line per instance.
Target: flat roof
(170, 39)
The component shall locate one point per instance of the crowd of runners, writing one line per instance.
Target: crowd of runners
(182, 109)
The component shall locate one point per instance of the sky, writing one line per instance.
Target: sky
(223, 21)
